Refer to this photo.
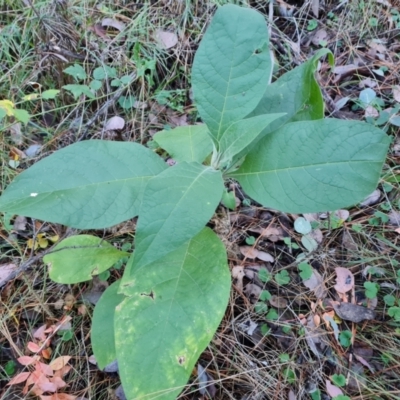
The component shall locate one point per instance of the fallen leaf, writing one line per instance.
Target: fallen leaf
(33, 347)
(371, 199)
(114, 123)
(252, 291)
(371, 111)
(394, 218)
(113, 23)
(92, 360)
(119, 393)
(278, 302)
(264, 256)
(33, 150)
(238, 274)
(315, 7)
(59, 362)
(112, 367)
(319, 36)
(166, 39)
(26, 360)
(44, 368)
(316, 284)
(22, 377)
(353, 312)
(20, 223)
(47, 386)
(344, 280)
(5, 271)
(342, 214)
(332, 390)
(248, 251)
(206, 385)
(271, 233)
(396, 93)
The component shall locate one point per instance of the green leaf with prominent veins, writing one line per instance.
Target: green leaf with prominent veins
(186, 143)
(296, 93)
(102, 333)
(313, 166)
(170, 317)
(91, 184)
(176, 205)
(231, 68)
(241, 133)
(78, 258)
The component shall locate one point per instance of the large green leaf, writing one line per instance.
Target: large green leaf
(241, 133)
(312, 166)
(90, 184)
(176, 205)
(231, 68)
(78, 258)
(186, 143)
(171, 316)
(296, 93)
(102, 332)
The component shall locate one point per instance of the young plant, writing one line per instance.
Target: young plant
(272, 138)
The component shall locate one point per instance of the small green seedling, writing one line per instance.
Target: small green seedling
(271, 138)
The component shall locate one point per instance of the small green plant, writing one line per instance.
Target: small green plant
(271, 138)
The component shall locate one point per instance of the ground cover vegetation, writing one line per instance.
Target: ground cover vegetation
(314, 308)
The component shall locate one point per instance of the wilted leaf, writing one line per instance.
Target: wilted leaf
(115, 123)
(344, 280)
(166, 39)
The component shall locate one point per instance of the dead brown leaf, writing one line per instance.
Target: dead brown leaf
(353, 312)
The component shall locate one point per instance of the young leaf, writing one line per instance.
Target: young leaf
(231, 68)
(78, 258)
(241, 133)
(186, 143)
(90, 184)
(296, 93)
(176, 205)
(172, 314)
(313, 166)
(102, 333)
